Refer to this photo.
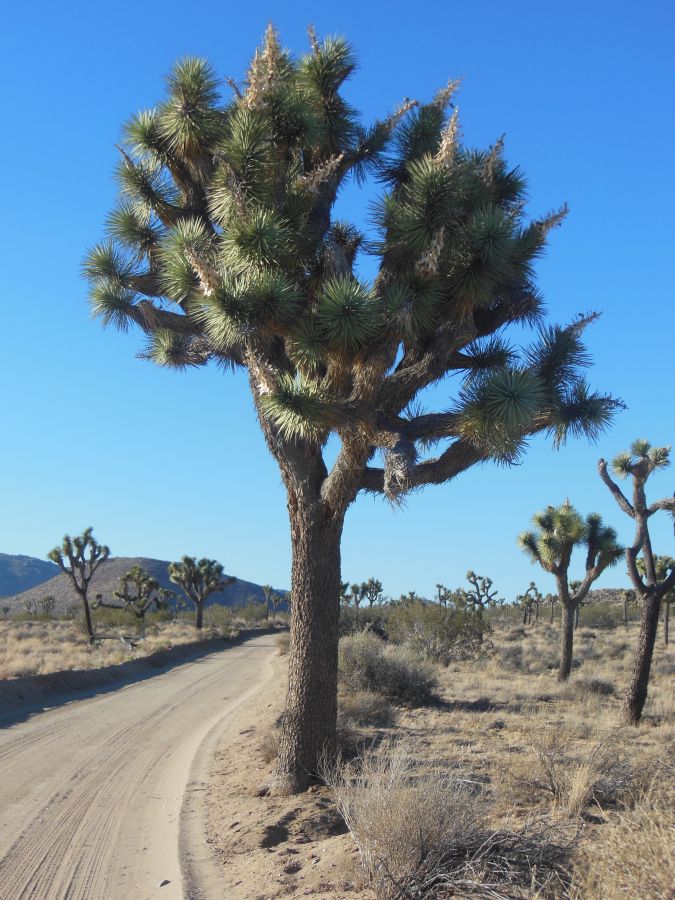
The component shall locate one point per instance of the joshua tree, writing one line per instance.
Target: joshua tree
(479, 597)
(638, 463)
(443, 595)
(356, 594)
(551, 599)
(629, 598)
(372, 591)
(345, 596)
(559, 530)
(30, 606)
(5, 611)
(267, 592)
(47, 605)
(225, 247)
(199, 579)
(276, 600)
(138, 592)
(531, 598)
(78, 558)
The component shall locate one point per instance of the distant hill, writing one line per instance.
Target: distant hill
(106, 580)
(20, 573)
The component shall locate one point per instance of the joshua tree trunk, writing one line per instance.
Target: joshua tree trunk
(637, 692)
(666, 618)
(576, 617)
(525, 616)
(551, 614)
(308, 733)
(87, 618)
(566, 642)
(199, 623)
(625, 609)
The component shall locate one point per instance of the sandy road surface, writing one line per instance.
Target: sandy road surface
(91, 792)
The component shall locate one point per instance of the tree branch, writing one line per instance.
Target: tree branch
(616, 491)
(459, 456)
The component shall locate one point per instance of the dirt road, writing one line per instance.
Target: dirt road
(91, 791)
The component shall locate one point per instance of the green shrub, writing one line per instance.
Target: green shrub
(366, 663)
(252, 612)
(354, 621)
(436, 632)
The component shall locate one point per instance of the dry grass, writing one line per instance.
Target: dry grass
(541, 751)
(40, 648)
(425, 833)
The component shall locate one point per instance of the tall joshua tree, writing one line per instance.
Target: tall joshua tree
(638, 463)
(224, 247)
(559, 530)
(199, 579)
(78, 558)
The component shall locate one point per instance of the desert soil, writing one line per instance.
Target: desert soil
(91, 791)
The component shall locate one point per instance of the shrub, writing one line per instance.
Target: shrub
(436, 632)
(426, 835)
(367, 663)
(365, 708)
(366, 618)
(252, 612)
(283, 643)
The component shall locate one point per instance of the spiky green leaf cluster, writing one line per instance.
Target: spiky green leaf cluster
(225, 245)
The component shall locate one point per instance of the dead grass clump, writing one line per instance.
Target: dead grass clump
(283, 643)
(633, 857)
(365, 709)
(583, 687)
(599, 774)
(367, 663)
(425, 834)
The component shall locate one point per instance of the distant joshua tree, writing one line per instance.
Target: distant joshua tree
(480, 596)
(372, 591)
(532, 598)
(443, 595)
(47, 605)
(78, 558)
(267, 593)
(276, 600)
(138, 592)
(559, 530)
(5, 611)
(638, 463)
(199, 580)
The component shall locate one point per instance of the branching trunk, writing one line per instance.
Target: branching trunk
(308, 733)
(637, 692)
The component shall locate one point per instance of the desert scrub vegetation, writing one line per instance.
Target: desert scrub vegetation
(510, 764)
(423, 832)
(366, 662)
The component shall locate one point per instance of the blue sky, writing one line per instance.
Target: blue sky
(92, 435)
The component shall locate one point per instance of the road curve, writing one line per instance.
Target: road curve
(91, 791)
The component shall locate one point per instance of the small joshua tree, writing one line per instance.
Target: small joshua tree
(551, 599)
(443, 595)
(531, 598)
(47, 605)
(199, 579)
(638, 463)
(372, 591)
(267, 593)
(559, 530)
(276, 600)
(138, 592)
(356, 595)
(5, 611)
(78, 558)
(629, 598)
(480, 597)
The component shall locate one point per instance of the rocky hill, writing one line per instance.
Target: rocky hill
(106, 579)
(20, 573)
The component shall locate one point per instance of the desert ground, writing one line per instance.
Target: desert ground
(157, 788)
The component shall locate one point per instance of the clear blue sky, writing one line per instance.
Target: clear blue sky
(163, 464)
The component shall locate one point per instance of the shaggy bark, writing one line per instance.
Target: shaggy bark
(308, 734)
(566, 642)
(637, 691)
